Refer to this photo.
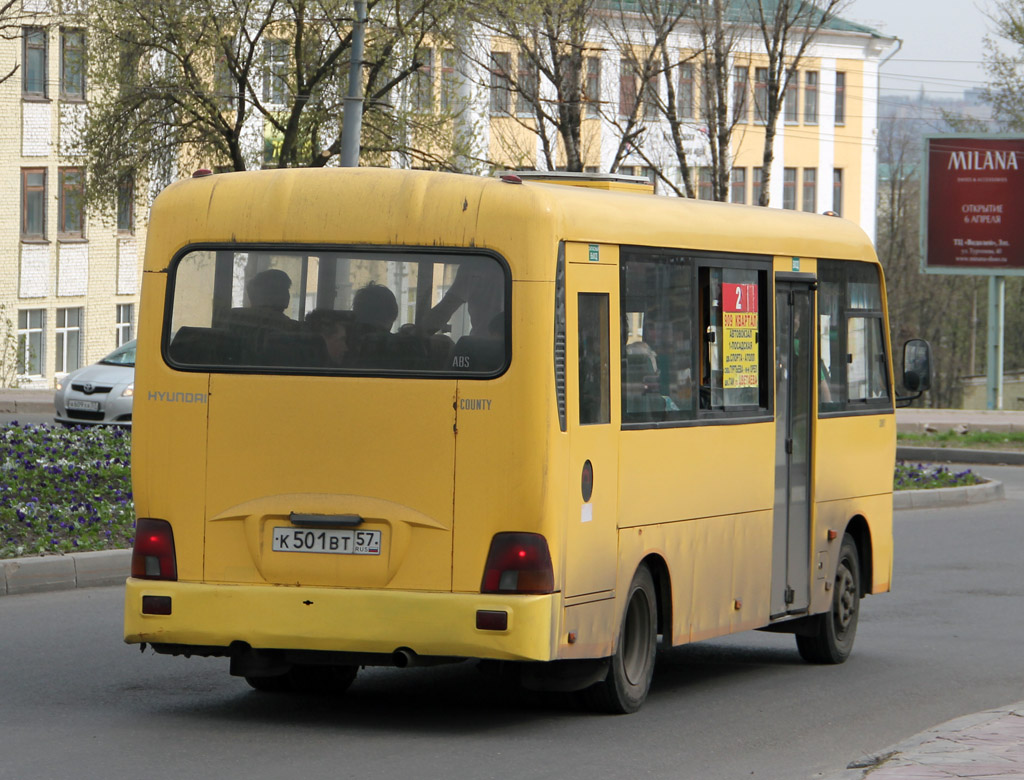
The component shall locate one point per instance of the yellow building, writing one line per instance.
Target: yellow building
(825, 147)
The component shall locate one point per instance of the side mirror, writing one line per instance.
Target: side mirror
(917, 366)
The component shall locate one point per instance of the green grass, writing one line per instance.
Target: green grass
(1013, 440)
(64, 490)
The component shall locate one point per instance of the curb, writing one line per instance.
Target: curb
(64, 572)
(8, 406)
(947, 455)
(952, 496)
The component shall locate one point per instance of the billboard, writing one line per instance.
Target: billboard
(973, 205)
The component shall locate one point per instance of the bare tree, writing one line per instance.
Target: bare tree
(937, 308)
(1005, 90)
(787, 28)
(642, 32)
(538, 73)
(12, 18)
(242, 83)
(719, 40)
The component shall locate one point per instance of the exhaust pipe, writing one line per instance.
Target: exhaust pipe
(403, 658)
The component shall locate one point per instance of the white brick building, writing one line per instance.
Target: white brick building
(69, 279)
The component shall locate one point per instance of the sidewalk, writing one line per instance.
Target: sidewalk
(985, 745)
(26, 401)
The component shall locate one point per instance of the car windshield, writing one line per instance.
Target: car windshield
(122, 356)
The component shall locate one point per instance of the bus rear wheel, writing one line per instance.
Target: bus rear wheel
(625, 687)
(832, 640)
(307, 678)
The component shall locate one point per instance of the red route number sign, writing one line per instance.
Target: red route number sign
(739, 323)
(975, 208)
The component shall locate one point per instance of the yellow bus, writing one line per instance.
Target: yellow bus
(393, 418)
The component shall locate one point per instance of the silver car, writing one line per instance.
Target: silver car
(100, 394)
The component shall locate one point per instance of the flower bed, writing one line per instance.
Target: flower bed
(64, 490)
(923, 477)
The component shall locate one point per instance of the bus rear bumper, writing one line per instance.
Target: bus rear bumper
(354, 621)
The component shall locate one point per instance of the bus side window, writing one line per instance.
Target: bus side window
(657, 331)
(853, 363)
(594, 359)
(734, 358)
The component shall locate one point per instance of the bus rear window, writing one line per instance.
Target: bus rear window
(310, 311)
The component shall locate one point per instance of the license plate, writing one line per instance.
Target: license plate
(335, 542)
(85, 406)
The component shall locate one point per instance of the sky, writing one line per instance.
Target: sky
(942, 43)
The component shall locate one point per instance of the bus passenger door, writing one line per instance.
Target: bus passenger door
(592, 413)
(794, 377)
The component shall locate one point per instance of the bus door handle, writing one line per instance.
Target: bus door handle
(325, 521)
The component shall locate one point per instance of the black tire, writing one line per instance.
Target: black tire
(625, 687)
(307, 678)
(835, 631)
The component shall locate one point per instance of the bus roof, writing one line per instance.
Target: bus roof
(379, 206)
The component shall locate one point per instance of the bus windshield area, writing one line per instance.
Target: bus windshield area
(363, 312)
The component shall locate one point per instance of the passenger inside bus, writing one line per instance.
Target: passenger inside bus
(269, 296)
(334, 328)
(375, 308)
(479, 286)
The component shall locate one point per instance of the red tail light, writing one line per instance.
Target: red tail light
(518, 563)
(153, 553)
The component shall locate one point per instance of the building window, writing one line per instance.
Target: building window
(810, 195)
(72, 64)
(840, 98)
(69, 340)
(738, 186)
(33, 203)
(449, 84)
(811, 97)
(223, 79)
(592, 87)
(126, 203)
(790, 104)
(71, 211)
(704, 189)
(501, 66)
(275, 71)
(756, 183)
(789, 188)
(526, 76)
(649, 99)
(124, 330)
(33, 78)
(837, 191)
(740, 87)
(685, 92)
(30, 341)
(423, 82)
(627, 89)
(761, 95)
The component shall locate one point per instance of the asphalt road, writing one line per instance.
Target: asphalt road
(76, 702)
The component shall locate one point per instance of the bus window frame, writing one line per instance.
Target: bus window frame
(311, 249)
